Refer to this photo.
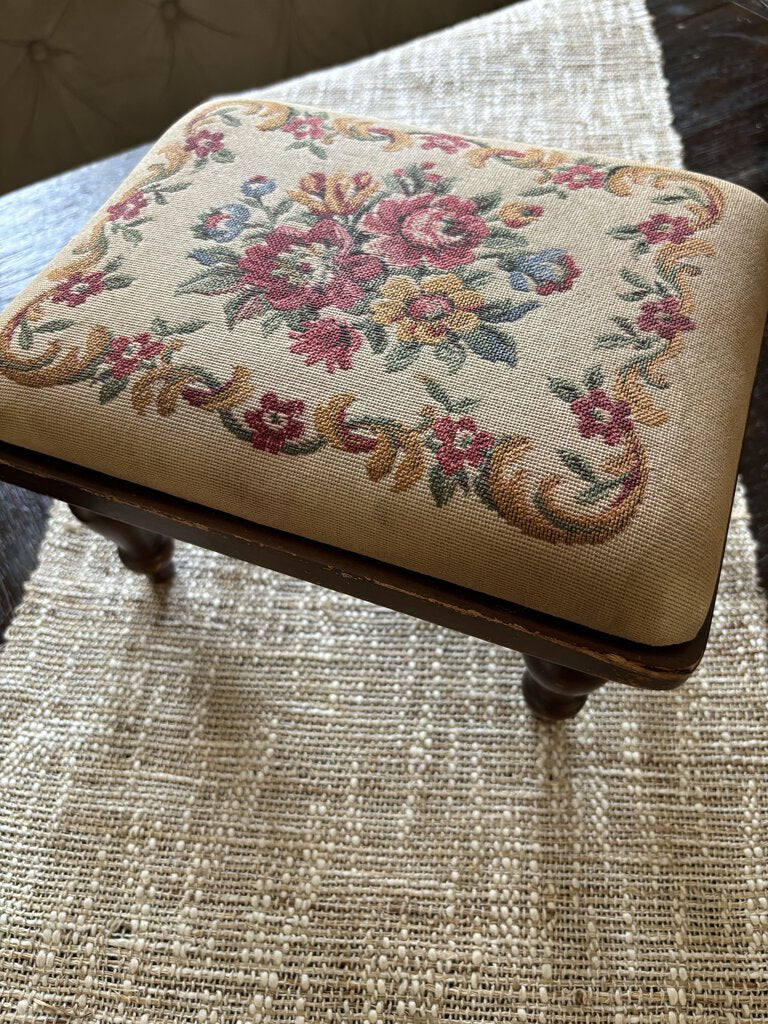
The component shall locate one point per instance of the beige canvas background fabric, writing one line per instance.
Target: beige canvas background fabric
(248, 799)
(650, 581)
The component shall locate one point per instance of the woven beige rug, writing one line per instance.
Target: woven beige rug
(245, 800)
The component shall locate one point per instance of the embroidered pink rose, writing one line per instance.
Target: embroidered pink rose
(275, 422)
(314, 268)
(79, 287)
(305, 127)
(462, 442)
(444, 231)
(663, 317)
(443, 141)
(203, 142)
(664, 228)
(328, 340)
(126, 353)
(128, 208)
(599, 415)
(580, 176)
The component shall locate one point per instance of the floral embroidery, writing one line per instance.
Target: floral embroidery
(328, 340)
(405, 261)
(275, 422)
(126, 354)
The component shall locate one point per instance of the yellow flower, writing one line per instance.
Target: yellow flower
(517, 215)
(426, 311)
(336, 193)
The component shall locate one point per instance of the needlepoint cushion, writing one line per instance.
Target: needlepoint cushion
(521, 370)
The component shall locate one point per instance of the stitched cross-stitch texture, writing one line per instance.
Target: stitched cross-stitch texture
(492, 330)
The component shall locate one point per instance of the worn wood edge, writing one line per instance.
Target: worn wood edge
(435, 600)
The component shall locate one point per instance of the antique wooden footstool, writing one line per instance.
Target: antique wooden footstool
(497, 386)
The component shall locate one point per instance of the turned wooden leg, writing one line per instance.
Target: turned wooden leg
(139, 550)
(553, 692)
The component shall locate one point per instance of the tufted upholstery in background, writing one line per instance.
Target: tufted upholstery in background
(83, 78)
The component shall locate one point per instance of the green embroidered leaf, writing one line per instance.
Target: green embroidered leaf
(438, 392)
(178, 187)
(26, 335)
(214, 254)
(564, 389)
(401, 355)
(636, 280)
(668, 199)
(632, 296)
(160, 199)
(224, 156)
(481, 489)
(599, 489)
(487, 201)
(111, 388)
(639, 248)
(624, 231)
(242, 307)
(211, 282)
(132, 236)
(53, 325)
(476, 277)
(451, 354)
(160, 327)
(613, 341)
(378, 338)
(441, 486)
(190, 327)
(506, 311)
(594, 378)
(463, 405)
(493, 345)
(578, 465)
(112, 265)
(228, 118)
(120, 281)
(282, 207)
(625, 324)
(317, 151)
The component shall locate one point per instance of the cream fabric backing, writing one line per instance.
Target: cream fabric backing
(652, 583)
(246, 799)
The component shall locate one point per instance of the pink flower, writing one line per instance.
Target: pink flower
(275, 422)
(599, 415)
(128, 208)
(328, 340)
(442, 230)
(580, 176)
(78, 287)
(663, 317)
(447, 143)
(125, 354)
(663, 228)
(308, 268)
(203, 142)
(305, 127)
(462, 442)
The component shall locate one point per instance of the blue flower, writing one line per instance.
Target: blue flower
(224, 223)
(258, 185)
(547, 271)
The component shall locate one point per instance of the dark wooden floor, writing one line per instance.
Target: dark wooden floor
(716, 60)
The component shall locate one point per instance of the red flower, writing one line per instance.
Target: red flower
(129, 207)
(329, 340)
(462, 442)
(274, 422)
(442, 230)
(447, 143)
(126, 353)
(580, 176)
(305, 127)
(663, 317)
(308, 268)
(600, 416)
(78, 287)
(663, 228)
(203, 142)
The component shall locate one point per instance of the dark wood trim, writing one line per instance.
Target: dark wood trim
(532, 633)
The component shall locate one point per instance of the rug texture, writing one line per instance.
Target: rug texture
(245, 799)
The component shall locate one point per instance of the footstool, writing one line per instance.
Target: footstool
(497, 386)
